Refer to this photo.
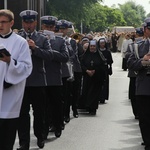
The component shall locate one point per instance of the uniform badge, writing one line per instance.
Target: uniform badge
(49, 18)
(28, 13)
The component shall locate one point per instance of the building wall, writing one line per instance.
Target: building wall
(22, 5)
(1, 4)
(16, 6)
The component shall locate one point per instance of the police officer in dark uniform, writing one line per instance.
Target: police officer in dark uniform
(71, 81)
(34, 91)
(132, 74)
(53, 75)
(141, 64)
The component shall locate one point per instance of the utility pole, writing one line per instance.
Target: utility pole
(28, 4)
(5, 4)
(81, 27)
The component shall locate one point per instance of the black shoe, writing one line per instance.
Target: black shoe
(40, 143)
(58, 133)
(23, 148)
(136, 117)
(63, 126)
(102, 101)
(93, 112)
(67, 119)
(75, 114)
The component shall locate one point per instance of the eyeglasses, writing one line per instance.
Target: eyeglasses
(4, 22)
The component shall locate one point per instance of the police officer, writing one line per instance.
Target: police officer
(54, 76)
(132, 74)
(72, 75)
(140, 62)
(34, 91)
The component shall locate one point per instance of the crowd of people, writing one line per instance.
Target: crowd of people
(53, 73)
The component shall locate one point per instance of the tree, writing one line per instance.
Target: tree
(102, 17)
(132, 13)
(69, 9)
(148, 15)
(94, 16)
(115, 17)
(72, 10)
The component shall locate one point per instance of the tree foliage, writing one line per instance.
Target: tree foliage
(102, 18)
(94, 16)
(148, 15)
(72, 9)
(132, 13)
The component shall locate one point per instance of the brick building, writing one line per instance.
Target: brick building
(16, 6)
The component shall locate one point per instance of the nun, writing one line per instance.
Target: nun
(94, 73)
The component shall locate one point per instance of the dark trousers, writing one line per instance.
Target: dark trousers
(8, 128)
(36, 97)
(104, 93)
(67, 96)
(76, 90)
(132, 96)
(124, 64)
(71, 93)
(144, 118)
(53, 107)
(114, 46)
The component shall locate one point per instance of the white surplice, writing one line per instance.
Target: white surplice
(11, 98)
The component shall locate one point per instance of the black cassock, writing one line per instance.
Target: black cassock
(92, 85)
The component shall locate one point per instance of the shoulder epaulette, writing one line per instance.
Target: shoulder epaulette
(140, 42)
(39, 32)
(21, 30)
(57, 36)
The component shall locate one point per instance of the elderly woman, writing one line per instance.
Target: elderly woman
(94, 72)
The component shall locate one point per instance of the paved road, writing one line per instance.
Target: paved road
(113, 128)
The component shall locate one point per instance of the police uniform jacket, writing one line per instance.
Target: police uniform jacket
(67, 66)
(130, 49)
(142, 79)
(41, 52)
(53, 67)
(75, 59)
